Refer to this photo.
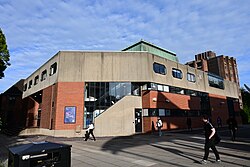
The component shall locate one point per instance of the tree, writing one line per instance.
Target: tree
(4, 54)
(246, 106)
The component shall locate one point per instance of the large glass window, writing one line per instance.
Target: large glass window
(215, 81)
(101, 95)
(159, 68)
(177, 73)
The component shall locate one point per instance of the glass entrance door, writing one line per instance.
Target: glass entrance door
(138, 120)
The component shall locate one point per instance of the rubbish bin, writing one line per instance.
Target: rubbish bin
(40, 154)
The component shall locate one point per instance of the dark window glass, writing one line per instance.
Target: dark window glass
(178, 113)
(159, 68)
(44, 75)
(153, 112)
(53, 69)
(30, 84)
(177, 73)
(191, 93)
(176, 90)
(36, 80)
(215, 81)
(25, 87)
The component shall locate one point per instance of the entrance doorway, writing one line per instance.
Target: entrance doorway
(138, 120)
(39, 118)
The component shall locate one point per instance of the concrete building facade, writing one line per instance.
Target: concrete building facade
(123, 93)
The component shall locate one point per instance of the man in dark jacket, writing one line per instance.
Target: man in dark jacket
(209, 140)
(233, 126)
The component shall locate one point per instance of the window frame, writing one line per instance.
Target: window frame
(176, 73)
(44, 75)
(53, 69)
(191, 77)
(159, 68)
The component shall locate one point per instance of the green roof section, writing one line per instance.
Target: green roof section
(151, 48)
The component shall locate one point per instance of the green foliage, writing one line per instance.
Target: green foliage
(246, 106)
(4, 54)
(1, 123)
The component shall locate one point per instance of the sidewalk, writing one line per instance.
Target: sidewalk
(172, 149)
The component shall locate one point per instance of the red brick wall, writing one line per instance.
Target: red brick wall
(219, 107)
(68, 94)
(177, 101)
(171, 123)
(32, 111)
(46, 107)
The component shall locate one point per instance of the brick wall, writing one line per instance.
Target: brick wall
(171, 123)
(155, 99)
(176, 101)
(32, 111)
(219, 107)
(46, 107)
(68, 94)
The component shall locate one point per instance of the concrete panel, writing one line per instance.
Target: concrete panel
(50, 80)
(118, 120)
(76, 66)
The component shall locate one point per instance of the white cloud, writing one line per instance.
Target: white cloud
(36, 30)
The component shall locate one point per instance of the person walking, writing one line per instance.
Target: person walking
(189, 124)
(159, 125)
(90, 131)
(209, 140)
(219, 122)
(233, 126)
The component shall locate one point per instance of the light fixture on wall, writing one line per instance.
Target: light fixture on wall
(154, 99)
(222, 102)
(167, 101)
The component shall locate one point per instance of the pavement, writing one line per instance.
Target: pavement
(175, 148)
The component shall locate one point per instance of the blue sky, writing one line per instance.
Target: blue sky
(37, 29)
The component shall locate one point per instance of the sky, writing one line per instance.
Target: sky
(36, 30)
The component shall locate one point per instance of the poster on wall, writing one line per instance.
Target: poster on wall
(70, 115)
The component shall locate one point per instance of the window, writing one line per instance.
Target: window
(153, 112)
(190, 77)
(177, 90)
(159, 87)
(162, 112)
(145, 112)
(177, 73)
(215, 81)
(44, 75)
(166, 88)
(25, 87)
(36, 80)
(191, 92)
(53, 69)
(159, 68)
(30, 84)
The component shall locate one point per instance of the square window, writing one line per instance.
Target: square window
(161, 112)
(145, 112)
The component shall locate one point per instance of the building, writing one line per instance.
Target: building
(223, 66)
(13, 108)
(123, 92)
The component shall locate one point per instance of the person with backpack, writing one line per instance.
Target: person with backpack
(159, 125)
(210, 140)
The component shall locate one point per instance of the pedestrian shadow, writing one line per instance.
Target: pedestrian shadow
(180, 153)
